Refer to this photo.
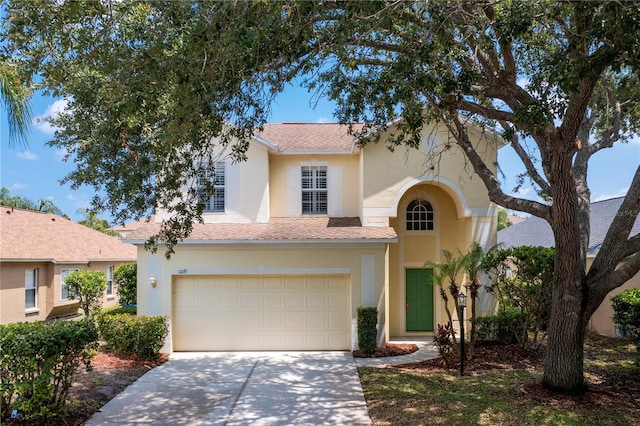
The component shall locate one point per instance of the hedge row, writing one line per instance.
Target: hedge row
(142, 336)
(38, 364)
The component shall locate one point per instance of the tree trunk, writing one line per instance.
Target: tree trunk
(563, 367)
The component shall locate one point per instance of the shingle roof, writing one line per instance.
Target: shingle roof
(278, 230)
(310, 137)
(30, 235)
(537, 232)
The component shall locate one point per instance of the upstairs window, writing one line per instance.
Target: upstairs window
(214, 200)
(314, 189)
(31, 289)
(419, 216)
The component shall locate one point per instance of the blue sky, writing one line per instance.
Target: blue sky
(35, 171)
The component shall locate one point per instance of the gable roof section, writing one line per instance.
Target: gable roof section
(301, 138)
(29, 236)
(278, 230)
(537, 232)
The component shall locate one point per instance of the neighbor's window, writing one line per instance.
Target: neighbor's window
(64, 294)
(314, 189)
(213, 201)
(31, 289)
(419, 216)
(109, 280)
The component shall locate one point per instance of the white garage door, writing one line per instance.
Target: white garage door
(261, 313)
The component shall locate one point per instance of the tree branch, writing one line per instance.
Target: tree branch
(526, 160)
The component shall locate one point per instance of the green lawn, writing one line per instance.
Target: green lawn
(507, 397)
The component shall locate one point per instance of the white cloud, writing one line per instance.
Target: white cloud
(18, 185)
(41, 122)
(59, 154)
(606, 196)
(27, 155)
(635, 140)
(322, 119)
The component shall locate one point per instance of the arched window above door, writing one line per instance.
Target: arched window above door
(419, 216)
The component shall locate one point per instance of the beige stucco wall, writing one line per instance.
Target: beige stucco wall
(415, 248)
(246, 190)
(384, 184)
(350, 181)
(49, 302)
(274, 259)
(601, 321)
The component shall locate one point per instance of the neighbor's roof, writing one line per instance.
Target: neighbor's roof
(306, 229)
(537, 232)
(310, 137)
(30, 236)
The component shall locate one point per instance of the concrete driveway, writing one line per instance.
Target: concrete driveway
(241, 388)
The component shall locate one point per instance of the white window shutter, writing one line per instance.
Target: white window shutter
(334, 177)
(294, 203)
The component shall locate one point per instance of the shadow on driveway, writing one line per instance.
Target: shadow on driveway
(239, 388)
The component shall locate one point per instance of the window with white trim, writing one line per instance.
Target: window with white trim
(419, 216)
(213, 197)
(64, 294)
(314, 189)
(109, 280)
(31, 288)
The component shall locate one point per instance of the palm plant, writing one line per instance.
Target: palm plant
(471, 263)
(447, 270)
(15, 97)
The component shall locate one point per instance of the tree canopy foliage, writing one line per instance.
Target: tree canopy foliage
(20, 202)
(153, 85)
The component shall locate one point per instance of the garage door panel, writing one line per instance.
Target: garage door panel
(293, 282)
(261, 313)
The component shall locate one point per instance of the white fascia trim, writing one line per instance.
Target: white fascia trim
(260, 270)
(113, 259)
(285, 245)
(270, 145)
(293, 242)
(316, 152)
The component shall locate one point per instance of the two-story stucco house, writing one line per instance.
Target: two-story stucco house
(38, 250)
(308, 229)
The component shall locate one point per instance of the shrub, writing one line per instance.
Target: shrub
(523, 280)
(626, 307)
(125, 278)
(88, 287)
(39, 362)
(503, 328)
(128, 310)
(367, 330)
(141, 336)
(444, 341)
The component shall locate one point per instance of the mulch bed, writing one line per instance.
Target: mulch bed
(486, 357)
(392, 349)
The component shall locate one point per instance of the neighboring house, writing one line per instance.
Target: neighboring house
(537, 232)
(308, 229)
(37, 251)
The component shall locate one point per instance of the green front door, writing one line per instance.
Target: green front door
(419, 302)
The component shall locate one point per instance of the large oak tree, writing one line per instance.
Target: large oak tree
(151, 83)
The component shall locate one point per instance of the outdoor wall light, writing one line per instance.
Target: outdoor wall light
(153, 282)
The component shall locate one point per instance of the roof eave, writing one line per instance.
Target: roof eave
(282, 241)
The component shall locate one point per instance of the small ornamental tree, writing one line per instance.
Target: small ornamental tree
(88, 287)
(125, 277)
(523, 280)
